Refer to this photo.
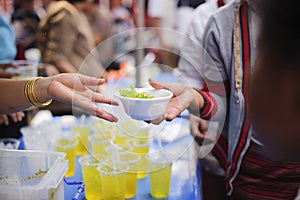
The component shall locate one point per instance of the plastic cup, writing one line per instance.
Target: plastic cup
(91, 177)
(83, 132)
(113, 182)
(9, 143)
(99, 143)
(103, 127)
(160, 176)
(26, 69)
(132, 161)
(122, 155)
(141, 147)
(120, 137)
(68, 146)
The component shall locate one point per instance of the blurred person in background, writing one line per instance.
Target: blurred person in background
(9, 124)
(101, 21)
(212, 174)
(275, 91)
(252, 170)
(162, 14)
(66, 38)
(25, 22)
(184, 13)
(122, 21)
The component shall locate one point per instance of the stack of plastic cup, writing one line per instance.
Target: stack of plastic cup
(67, 144)
(91, 177)
(82, 130)
(98, 144)
(140, 147)
(113, 181)
(160, 168)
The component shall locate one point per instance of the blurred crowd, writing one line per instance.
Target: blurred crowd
(252, 159)
(60, 35)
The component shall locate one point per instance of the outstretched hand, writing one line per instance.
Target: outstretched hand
(75, 89)
(184, 97)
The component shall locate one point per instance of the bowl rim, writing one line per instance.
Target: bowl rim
(168, 96)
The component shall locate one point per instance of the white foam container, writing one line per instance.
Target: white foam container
(21, 177)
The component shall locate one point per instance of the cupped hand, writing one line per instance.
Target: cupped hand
(184, 97)
(75, 89)
(199, 129)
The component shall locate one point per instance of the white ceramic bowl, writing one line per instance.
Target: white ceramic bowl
(146, 109)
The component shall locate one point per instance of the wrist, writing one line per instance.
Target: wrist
(197, 103)
(41, 89)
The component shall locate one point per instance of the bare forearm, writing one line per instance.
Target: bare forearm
(13, 98)
(197, 103)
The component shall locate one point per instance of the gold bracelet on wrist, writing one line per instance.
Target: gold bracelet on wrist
(30, 95)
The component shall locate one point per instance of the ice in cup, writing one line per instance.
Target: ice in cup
(160, 175)
(68, 146)
(113, 181)
(91, 177)
(82, 130)
(141, 147)
(99, 143)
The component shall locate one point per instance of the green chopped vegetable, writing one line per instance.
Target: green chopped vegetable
(132, 93)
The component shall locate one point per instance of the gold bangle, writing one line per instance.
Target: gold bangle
(30, 95)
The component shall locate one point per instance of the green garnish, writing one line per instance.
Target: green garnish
(132, 93)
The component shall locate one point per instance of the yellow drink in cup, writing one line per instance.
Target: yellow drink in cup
(113, 183)
(160, 175)
(83, 133)
(132, 160)
(131, 182)
(91, 177)
(141, 147)
(120, 138)
(68, 146)
(99, 143)
(160, 182)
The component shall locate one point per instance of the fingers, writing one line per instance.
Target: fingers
(202, 126)
(157, 121)
(158, 85)
(94, 110)
(90, 81)
(105, 115)
(7, 75)
(17, 117)
(99, 98)
(4, 120)
(7, 65)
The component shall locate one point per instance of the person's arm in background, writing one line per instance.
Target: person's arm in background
(210, 102)
(190, 68)
(67, 88)
(155, 13)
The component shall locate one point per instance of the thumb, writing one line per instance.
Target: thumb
(159, 85)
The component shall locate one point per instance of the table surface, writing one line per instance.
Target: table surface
(185, 182)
